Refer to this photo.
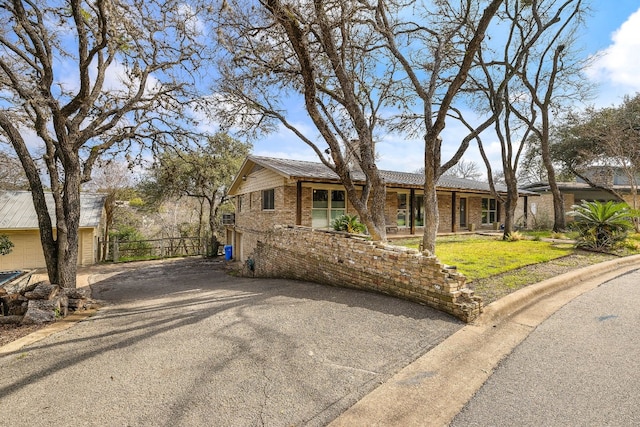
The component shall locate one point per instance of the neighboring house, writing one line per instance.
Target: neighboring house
(574, 193)
(18, 220)
(269, 192)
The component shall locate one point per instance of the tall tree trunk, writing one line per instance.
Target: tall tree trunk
(431, 218)
(431, 213)
(510, 205)
(511, 199)
(375, 219)
(559, 221)
(109, 208)
(37, 194)
(378, 205)
(68, 228)
(213, 213)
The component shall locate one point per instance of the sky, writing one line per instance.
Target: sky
(612, 35)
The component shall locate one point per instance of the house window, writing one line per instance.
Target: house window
(268, 200)
(489, 211)
(239, 203)
(419, 211)
(401, 219)
(327, 206)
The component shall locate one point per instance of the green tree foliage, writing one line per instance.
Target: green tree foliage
(130, 241)
(114, 180)
(354, 66)
(602, 138)
(6, 245)
(204, 172)
(82, 79)
(601, 226)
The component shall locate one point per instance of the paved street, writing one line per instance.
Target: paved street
(185, 344)
(578, 368)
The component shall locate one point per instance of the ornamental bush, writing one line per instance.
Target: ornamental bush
(6, 245)
(601, 226)
(350, 224)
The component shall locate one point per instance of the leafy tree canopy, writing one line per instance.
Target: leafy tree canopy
(82, 79)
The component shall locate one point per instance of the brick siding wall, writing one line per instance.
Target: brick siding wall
(341, 259)
(543, 218)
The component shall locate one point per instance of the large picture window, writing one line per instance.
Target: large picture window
(327, 206)
(268, 200)
(489, 211)
(419, 211)
(401, 217)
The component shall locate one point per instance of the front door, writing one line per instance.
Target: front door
(463, 212)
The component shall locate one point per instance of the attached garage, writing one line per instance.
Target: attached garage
(19, 222)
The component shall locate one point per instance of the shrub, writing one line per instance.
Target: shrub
(542, 221)
(131, 241)
(558, 235)
(6, 245)
(601, 226)
(514, 236)
(136, 202)
(350, 224)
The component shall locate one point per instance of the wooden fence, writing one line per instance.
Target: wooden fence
(168, 247)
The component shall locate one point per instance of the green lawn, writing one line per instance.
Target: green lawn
(478, 257)
(494, 268)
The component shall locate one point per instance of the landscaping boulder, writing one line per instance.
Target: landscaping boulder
(39, 311)
(29, 287)
(14, 305)
(43, 290)
(3, 308)
(77, 293)
(43, 311)
(42, 302)
(76, 304)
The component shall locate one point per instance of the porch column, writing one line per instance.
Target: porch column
(299, 203)
(453, 212)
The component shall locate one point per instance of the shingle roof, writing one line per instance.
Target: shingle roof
(17, 211)
(541, 187)
(300, 169)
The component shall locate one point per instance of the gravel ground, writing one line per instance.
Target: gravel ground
(10, 333)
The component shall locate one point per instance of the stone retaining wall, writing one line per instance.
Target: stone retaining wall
(345, 260)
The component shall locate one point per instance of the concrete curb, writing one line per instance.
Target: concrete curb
(512, 303)
(432, 390)
(51, 329)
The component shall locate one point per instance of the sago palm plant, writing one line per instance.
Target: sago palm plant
(350, 224)
(601, 226)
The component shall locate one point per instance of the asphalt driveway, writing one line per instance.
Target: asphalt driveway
(186, 344)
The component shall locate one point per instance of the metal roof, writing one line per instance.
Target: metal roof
(17, 210)
(305, 170)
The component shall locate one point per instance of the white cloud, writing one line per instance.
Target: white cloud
(619, 64)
